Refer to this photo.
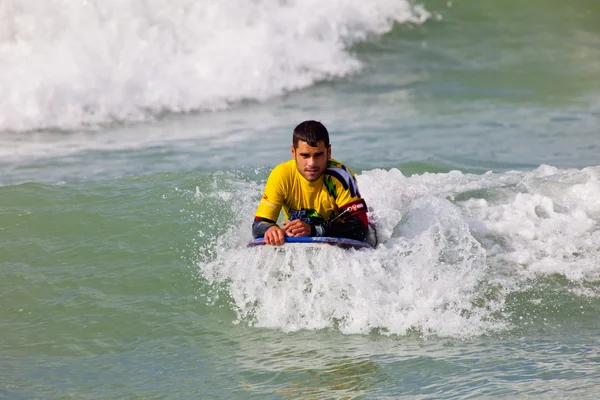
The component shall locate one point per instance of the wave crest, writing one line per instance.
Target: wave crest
(72, 64)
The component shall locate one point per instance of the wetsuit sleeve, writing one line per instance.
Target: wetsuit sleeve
(270, 204)
(350, 228)
(260, 226)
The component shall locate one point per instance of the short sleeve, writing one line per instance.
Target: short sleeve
(273, 196)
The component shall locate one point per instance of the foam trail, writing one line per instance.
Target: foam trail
(70, 64)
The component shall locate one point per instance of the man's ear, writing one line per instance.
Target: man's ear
(293, 152)
(329, 152)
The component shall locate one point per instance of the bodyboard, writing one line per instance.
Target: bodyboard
(333, 241)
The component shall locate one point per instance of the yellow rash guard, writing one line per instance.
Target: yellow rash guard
(312, 202)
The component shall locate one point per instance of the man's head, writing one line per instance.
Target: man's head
(311, 149)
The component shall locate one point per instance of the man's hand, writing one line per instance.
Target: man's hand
(296, 228)
(274, 236)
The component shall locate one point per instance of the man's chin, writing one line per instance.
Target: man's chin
(312, 176)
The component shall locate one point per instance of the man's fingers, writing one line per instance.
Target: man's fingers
(274, 237)
(295, 228)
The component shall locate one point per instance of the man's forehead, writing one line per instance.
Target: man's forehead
(307, 147)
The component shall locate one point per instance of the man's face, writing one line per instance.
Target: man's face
(311, 161)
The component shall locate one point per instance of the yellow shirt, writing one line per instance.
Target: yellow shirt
(312, 202)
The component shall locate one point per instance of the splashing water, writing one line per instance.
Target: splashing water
(454, 247)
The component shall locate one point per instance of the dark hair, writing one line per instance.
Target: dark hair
(311, 132)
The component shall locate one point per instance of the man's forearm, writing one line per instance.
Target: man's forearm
(260, 226)
(351, 228)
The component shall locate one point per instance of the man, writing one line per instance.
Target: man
(319, 195)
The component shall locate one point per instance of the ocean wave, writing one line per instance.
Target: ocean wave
(68, 65)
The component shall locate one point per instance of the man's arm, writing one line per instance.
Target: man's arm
(260, 226)
(268, 229)
(351, 222)
(264, 224)
(351, 228)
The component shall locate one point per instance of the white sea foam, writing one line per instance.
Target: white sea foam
(68, 64)
(446, 239)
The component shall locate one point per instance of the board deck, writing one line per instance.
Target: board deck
(339, 242)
